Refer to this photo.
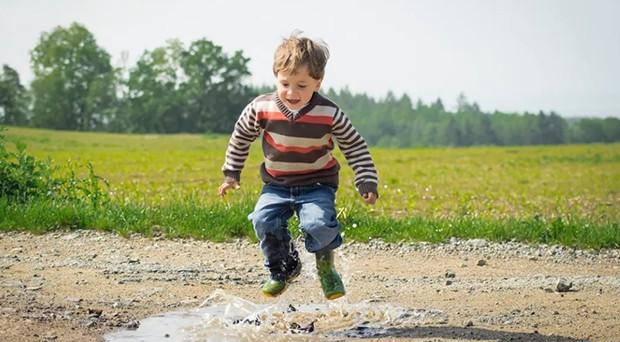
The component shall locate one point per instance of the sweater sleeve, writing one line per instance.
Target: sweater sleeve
(355, 150)
(246, 131)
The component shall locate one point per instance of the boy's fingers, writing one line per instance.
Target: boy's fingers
(224, 187)
(370, 198)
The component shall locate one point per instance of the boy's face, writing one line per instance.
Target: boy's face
(296, 88)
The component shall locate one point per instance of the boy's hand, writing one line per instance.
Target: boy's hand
(227, 185)
(370, 197)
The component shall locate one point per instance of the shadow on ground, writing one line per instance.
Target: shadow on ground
(448, 332)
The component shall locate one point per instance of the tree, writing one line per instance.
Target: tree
(153, 100)
(438, 106)
(74, 80)
(590, 130)
(213, 90)
(553, 128)
(611, 129)
(13, 98)
(199, 89)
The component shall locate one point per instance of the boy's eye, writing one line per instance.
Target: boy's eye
(302, 86)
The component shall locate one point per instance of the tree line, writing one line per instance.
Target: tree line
(200, 89)
(397, 122)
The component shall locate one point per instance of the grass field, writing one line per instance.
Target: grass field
(562, 194)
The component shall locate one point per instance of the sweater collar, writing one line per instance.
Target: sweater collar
(292, 115)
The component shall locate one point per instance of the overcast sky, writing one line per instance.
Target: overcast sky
(510, 55)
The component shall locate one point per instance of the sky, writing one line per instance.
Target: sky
(508, 55)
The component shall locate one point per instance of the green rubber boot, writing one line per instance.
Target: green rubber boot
(330, 279)
(274, 286)
(283, 275)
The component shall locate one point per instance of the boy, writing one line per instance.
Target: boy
(299, 172)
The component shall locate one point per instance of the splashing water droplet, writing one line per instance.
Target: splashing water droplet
(223, 317)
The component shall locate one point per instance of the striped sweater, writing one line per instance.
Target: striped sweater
(297, 146)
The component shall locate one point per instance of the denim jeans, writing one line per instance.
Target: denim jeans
(315, 208)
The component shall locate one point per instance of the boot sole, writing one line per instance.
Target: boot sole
(274, 295)
(288, 281)
(333, 296)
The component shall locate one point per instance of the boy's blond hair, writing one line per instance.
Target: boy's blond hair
(296, 51)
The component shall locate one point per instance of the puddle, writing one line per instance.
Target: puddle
(226, 318)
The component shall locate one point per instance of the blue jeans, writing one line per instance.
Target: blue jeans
(315, 208)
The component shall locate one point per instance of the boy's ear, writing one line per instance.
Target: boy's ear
(318, 84)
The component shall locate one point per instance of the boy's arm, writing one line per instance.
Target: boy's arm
(245, 132)
(356, 152)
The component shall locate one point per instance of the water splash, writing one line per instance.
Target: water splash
(227, 318)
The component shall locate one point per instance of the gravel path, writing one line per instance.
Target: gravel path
(79, 285)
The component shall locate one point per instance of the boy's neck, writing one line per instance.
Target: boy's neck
(295, 112)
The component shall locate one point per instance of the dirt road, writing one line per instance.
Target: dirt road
(77, 286)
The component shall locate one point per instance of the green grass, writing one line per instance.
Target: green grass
(542, 194)
(218, 222)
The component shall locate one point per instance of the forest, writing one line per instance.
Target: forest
(202, 89)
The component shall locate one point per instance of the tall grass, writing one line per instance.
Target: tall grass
(221, 222)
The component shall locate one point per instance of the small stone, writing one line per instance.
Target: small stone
(468, 323)
(478, 243)
(563, 285)
(450, 274)
(132, 325)
(448, 282)
(8, 310)
(481, 262)
(166, 335)
(296, 328)
(95, 312)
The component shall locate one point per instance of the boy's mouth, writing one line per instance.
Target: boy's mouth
(293, 102)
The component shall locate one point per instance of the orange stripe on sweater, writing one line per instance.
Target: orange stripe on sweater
(321, 120)
(274, 116)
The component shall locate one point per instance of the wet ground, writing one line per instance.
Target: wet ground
(224, 317)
